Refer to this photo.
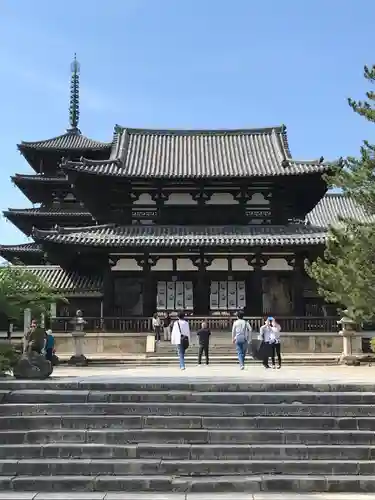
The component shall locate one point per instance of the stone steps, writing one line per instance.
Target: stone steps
(180, 468)
(186, 437)
(204, 484)
(190, 409)
(186, 397)
(188, 452)
(116, 422)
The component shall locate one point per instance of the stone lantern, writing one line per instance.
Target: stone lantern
(352, 341)
(78, 324)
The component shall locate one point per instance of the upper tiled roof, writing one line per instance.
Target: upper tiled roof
(66, 281)
(71, 140)
(334, 206)
(139, 153)
(184, 236)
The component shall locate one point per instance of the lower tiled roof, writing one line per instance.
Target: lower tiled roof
(184, 236)
(66, 281)
(335, 206)
(47, 212)
(23, 248)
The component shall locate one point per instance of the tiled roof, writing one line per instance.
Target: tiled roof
(184, 236)
(66, 281)
(47, 212)
(23, 248)
(71, 140)
(38, 178)
(334, 206)
(142, 153)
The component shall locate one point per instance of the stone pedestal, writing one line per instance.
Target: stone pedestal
(351, 342)
(78, 359)
(78, 334)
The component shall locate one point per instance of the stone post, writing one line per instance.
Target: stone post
(351, 340)
(78, 334)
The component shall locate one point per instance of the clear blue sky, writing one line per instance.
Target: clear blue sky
(183, 64)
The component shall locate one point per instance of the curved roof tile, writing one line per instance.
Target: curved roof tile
(200, 154)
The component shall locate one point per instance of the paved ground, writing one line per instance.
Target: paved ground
(305, 374)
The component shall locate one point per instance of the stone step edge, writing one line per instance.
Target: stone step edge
(152, 461)
(12, 495)
(211, 484)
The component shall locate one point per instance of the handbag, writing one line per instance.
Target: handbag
(184, 339)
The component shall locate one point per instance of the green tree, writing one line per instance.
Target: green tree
(346, 273)
(20, 289)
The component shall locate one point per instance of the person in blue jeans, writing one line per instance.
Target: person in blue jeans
(241, 332)
(180, 337)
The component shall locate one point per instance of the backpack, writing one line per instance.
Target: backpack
(184, 339)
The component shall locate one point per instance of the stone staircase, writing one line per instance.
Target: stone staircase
(102, 436)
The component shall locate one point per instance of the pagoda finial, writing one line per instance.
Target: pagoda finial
(74, 96)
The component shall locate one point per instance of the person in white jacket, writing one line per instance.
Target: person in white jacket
(180, 337)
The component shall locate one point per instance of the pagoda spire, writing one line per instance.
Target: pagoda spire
(74, 97)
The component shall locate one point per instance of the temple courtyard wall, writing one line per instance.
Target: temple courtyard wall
(108, 345)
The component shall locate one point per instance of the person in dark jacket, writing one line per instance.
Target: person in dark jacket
(204, 342)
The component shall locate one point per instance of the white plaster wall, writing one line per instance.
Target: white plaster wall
(163, 265)
(218, 265)
(180, 199)
(222, 199)
(258, 199)
(185, 265)
(127, 265)
(277, 265)
(145, 199)
(240, 264)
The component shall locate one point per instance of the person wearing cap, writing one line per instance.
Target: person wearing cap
(269, 334)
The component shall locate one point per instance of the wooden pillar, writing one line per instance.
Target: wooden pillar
(108, 291)
(254, 291)
(298, 281)
(149, 284)
(202, 285)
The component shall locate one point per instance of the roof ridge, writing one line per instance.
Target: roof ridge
(224, 131)
(68, 133)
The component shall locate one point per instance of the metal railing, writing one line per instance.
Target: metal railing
(215, 323)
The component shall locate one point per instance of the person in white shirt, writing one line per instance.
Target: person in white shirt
(275, 343)
(270, 337)
(180, 337)
(241, 333)
(156, 326)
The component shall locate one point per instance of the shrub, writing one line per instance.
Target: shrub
(9, 355)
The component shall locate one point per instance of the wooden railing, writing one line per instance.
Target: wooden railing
(143, 325)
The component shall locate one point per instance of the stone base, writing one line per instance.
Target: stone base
(78, 360)
(32, 366)
(349, 360)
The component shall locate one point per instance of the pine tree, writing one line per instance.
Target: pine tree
(346, 273)
(20, 289)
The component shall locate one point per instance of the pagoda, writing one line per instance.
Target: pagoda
(209, 221)
(48, 188)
